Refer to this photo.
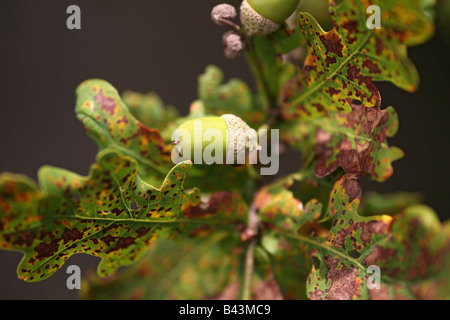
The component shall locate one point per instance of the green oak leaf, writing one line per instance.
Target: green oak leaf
(112, 213)
(344, 62)
(411, 248)
(232, 97)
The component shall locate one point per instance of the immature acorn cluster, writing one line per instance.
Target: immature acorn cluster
(258, 17)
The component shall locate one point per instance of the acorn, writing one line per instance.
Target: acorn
(233, 44)
(231, 138)
(263, 17)
(222, 13)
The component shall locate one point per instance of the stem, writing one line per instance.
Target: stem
(256, 68)
(250, 233)
(252, 224)
(230, 24)
(271, 102)
(248, 271)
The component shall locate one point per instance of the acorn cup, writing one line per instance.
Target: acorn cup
(263, 17)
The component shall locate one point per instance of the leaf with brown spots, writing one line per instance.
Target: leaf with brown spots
(411, 248)
(113, 214)
(344, 62)
(356, 142)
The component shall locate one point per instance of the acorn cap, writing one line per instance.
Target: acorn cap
(254, 23)
(241, 136)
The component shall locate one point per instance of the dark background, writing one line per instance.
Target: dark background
(162, 46)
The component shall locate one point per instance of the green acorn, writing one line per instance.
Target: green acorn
(263, 17)
(228, 134)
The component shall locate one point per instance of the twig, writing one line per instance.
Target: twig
(248, 271)
(252, 224)
(230, 24)
(256, 68)
(250, 234)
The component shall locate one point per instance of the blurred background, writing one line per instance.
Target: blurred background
(162, 46)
